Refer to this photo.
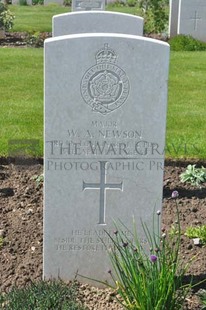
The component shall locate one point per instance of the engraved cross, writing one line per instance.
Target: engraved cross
(195, 18)
(102, 186)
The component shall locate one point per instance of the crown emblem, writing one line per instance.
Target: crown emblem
(106, 55)
(105, 86)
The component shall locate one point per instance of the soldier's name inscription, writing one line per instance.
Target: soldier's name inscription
(105, 133)
(108, 140)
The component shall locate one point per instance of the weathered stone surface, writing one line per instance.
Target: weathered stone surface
(105, 118)
(93, 22)
(192, 18)
(173, 17)
(88, 5)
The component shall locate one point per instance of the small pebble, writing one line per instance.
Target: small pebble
(196, 241)
(29, 211)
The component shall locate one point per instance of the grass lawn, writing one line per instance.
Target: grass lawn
(21, 88)
(186, 126)
(124, 9)
(38, 18)
(35, 18)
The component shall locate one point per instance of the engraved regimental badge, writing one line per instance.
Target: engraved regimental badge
(105, 86)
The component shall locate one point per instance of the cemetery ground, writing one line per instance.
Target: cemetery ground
(21, 216)
(21, 206)
(25, 20)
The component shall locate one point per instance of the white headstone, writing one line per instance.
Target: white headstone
(173, 17)
(93, 22)
(88, 5)
(105, 119)
(17, 2)
(192, 18)
(59, 2)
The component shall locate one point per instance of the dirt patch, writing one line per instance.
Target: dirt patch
(24, 39)
(21, 224)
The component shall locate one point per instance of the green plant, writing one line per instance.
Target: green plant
(155, 14)
(202, 295)
(23, 2)
(131, 2)
(67, 2)
(38, 178)
(197, 232)
(186, 43)
(53, 295)
(36, 2)
(173, 230)
(6, 17)
(36, 39)
(152, 278)
(116, 4)
(193, 175)
(1, 241)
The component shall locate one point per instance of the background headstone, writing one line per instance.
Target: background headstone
(173, 17)
(93, 22)
(88, 5)
(192, 18)
(105, 119)
(17, 2)
(60, 2)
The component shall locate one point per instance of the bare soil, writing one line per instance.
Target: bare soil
(24, 39)
(21, 225)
